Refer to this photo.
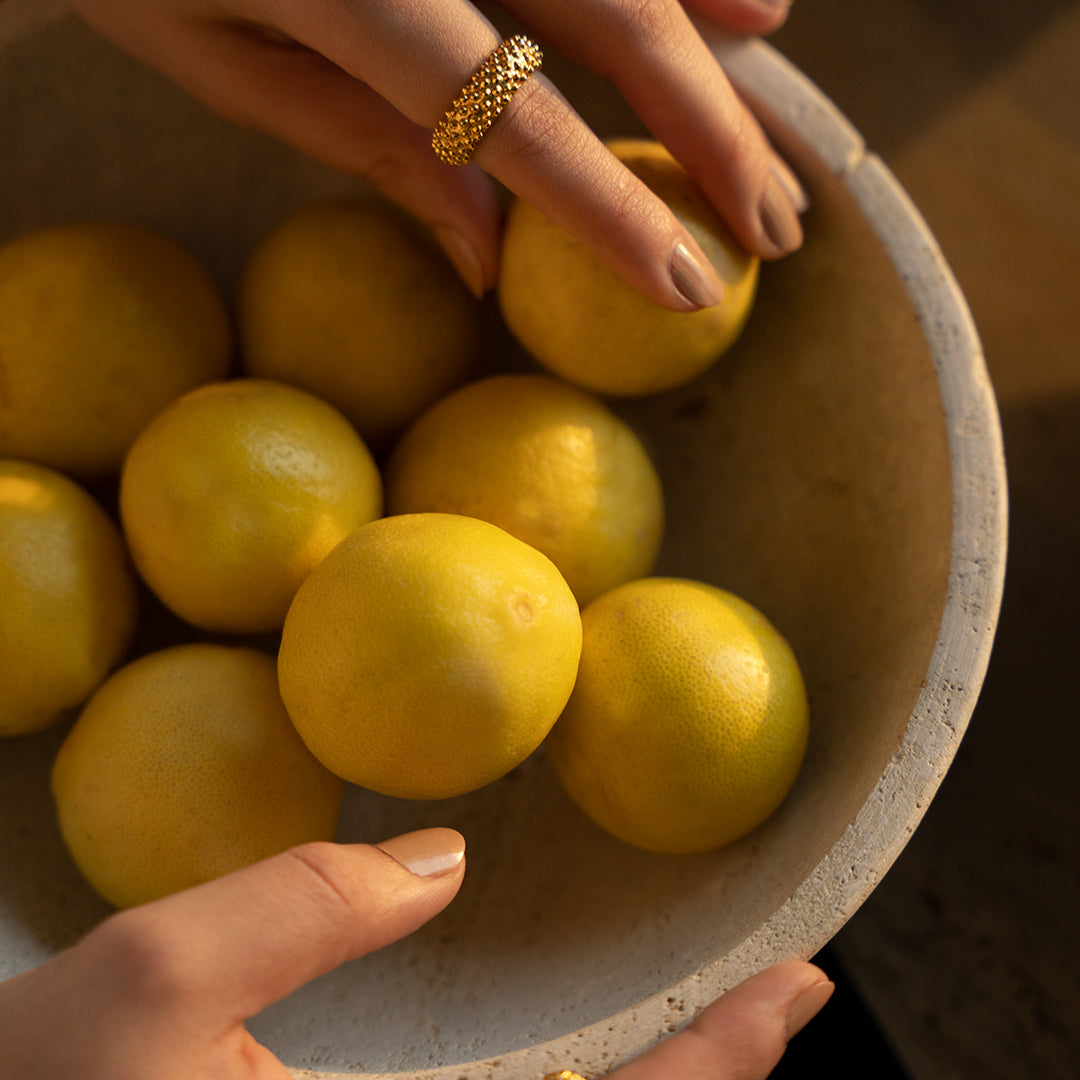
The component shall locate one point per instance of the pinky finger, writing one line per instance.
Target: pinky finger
(283, 89)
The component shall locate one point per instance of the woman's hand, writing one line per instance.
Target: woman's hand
(360, 84)
(163, 990)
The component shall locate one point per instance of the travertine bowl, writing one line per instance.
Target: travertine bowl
(841, 468)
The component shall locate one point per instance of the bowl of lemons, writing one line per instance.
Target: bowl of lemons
(679, 621)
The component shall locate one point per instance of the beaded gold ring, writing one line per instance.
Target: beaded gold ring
(484, 97)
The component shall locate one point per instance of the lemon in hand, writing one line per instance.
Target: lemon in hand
(586, 324)
(235, 492)
(689, 720)
(182, 767)
(101, 326)
(67, 596)
(428, 655)
(354, 302)
(545, 461)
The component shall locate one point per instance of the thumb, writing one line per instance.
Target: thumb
(232, 946)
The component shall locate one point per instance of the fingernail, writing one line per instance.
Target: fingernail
(806, 1006)
(427, 852)
(779, 220)
(465, 258)
(696, 282)
(795, 192)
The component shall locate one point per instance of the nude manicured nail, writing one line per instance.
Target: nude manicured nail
(806, 1006)
(465, 258)
(779, 220)
(790, 183)
(427, 852)
(697, 283)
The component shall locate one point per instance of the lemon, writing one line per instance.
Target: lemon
(429, 654)
(586, 324)
(547, 462)
(354, 303)
(68, 607)
(182, 767)
(689, 720)
(235, 492)
(101, 325)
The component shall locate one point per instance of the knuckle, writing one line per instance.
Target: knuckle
(528, 130)
(645, 26)
(402, 179)
(535, 128)
(538, 131)
(324, 876)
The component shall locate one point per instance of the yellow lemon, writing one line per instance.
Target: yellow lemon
(429, 654)
(183, 767)
(67, 596)
(353, 302)
(689, 720)
(545, 461)
(101, 326)
(583, 322)
(234, 493)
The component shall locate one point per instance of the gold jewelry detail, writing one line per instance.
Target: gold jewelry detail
(485, 95)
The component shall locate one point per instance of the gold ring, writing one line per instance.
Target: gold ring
(485, 95)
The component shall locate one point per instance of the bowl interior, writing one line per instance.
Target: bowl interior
(812, 471)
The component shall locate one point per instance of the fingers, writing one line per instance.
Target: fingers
(744, 16)
(271, 83)
(360, 84)
(656, 57)
(219, 953)
(553, 161)
(542, 150)
(742, 1035)
(419, 53)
